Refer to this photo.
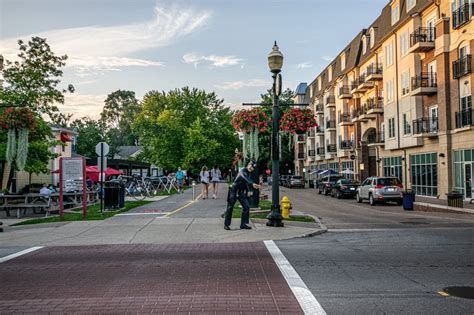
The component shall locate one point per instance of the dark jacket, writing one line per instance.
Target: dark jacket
(242, 181)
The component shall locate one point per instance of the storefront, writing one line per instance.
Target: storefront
(464, 172)
(424, 174)
(392, 166)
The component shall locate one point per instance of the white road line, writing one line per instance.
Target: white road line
(142, 213)
(307, 301)
(18, 254)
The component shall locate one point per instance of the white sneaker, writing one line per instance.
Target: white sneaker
(213, 196)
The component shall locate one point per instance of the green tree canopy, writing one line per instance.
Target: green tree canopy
(89, 134)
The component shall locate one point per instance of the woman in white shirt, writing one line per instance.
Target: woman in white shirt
(205, 182)
(215, 178)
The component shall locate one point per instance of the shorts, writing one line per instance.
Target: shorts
(204, 183)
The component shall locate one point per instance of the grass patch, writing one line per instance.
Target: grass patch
(93, 213)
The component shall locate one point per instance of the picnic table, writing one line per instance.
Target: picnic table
(21, 203)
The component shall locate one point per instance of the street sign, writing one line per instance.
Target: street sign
(102, 148)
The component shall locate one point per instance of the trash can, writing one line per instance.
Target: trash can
(455, 199)
(111, 195)
(408, 199)
(311, 183)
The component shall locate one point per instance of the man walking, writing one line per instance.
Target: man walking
(239, 191)
(180, 179)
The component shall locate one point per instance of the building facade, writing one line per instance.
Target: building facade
(397, 101)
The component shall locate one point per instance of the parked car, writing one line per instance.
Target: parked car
(326, 183)
(283, 180)
(345, 188)
(380, 189)
(296, 181)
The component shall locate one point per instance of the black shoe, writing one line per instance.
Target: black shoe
(226, 227)
(245, 227)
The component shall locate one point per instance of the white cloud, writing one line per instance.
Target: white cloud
(327, 58)
(108, 48)
(83, 105)
(215, 61)
(237, 85)
(304, 65)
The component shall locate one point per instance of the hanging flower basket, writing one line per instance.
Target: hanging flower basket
(249, 120)
(18, 118)
(297, 120)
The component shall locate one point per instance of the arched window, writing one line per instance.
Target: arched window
(364, 45)
(372, 37)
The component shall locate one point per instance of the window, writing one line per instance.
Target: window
(395, 14)
(348, 165)
(391, 128)
(343, 61)
(424, 174)
(330, 73)
(410, 4)
(319, 83)
(404, 43)
(392, 166)
(389, 88)
(389, 54)
(364, 45)
(405, 83)
(406, 124)
(372, 37)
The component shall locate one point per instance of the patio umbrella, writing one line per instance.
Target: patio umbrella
(348, 172)
(328, 172)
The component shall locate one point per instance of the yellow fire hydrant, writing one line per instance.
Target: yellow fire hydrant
(285, 207)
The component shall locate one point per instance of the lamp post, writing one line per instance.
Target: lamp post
(275, 63)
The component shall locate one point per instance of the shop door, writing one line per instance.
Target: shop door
(468, 175)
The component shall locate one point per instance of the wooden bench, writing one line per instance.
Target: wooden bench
(25, 202)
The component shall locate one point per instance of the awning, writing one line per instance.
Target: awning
(65, 137)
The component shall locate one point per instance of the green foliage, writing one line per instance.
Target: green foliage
(89, 134)
(173, 125)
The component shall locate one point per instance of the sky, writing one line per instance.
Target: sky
(215, 45)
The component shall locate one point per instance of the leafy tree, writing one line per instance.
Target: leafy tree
(61, 119)
(121, 108)
(89, 134)
(33, 81)
(198, 147)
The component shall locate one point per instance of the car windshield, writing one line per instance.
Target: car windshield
(297, 177)
(348, 182)
(388, 181)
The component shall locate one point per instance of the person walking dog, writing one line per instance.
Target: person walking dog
(239, 191)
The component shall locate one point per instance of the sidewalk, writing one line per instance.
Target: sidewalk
(441, 205)
(175, 219)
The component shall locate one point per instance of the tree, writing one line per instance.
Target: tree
(121, 108)
(33, 81)
(89, 134)
(167, 120)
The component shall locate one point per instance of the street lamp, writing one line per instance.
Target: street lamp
(275, 63)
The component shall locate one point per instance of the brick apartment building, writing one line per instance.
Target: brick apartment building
(397, 100)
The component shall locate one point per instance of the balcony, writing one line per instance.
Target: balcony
(374, 72)
(331, 149)
(311, 153)
(311, 133)
(426, 127)
(374, 106)
(330, 125)
(345, 93)
(422, 40)
(301, 156)
(376, 139)
(331, 101)
(424, 84)
(364, 84)
(319, 109)
(301, 138)
(462, 66)
(320, 151)
(346, 145)
(464, 118)
(462, 15)
(355, 113)
(319, 131)
(345, 119)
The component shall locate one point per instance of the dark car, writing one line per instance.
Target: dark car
(296, 181)
(345, 188)
(326, 183)
(283, 180)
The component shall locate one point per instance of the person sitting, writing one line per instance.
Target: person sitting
(45, 190)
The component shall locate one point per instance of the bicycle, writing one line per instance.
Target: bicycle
(134, 187)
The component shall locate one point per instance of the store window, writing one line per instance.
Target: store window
(348, 165)
(464, 172)
(424, 174)
(392, 166)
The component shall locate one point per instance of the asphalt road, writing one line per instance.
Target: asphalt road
(382, 259)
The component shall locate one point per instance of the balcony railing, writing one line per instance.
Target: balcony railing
(301, 138)
(356, 112)
(345, 91)
(425, 80)
(344, 118)
(330, 124)
(462, 66)
(319, 129)
(374, 103)
(311, 153)
(376, 137)
(346, 145)
(331, 148)
(425, 125)
(375, 68)
(320, 151)
(331, 99)
(462, 15)
(423, 35)
(464, 118)
(320, 108)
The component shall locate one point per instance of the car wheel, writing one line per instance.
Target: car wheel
(359, 200)
(371, 200)
(319, 191)
(325, 192)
